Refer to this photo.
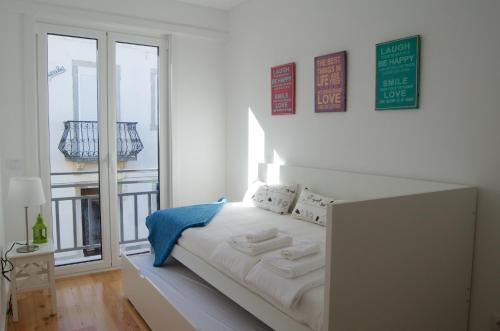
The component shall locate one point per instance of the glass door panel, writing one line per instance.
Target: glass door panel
(74, 148)
(101, 128)
(137, 153)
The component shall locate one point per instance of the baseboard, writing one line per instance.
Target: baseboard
(89, 272)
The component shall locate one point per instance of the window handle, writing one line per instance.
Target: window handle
(112, 163)
(104, 160)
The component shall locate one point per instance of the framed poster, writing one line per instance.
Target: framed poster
(330, 82)
(397, 74)
(283, 89)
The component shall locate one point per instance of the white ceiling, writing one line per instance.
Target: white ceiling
(218, 4)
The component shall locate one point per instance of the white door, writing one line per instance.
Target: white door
(103, 124)
(136, 77)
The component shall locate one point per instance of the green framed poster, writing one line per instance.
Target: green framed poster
(397, 74)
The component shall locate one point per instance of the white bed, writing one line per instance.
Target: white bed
(399, 257)
(198, 302)
(237, 218)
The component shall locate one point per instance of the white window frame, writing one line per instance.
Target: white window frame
(107, 147)
(163, 121)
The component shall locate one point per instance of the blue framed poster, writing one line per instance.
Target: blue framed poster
(397, 74)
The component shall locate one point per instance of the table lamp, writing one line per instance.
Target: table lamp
(26, 192)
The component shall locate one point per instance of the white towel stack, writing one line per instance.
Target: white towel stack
(301, 249)
(260, 241)
(261, 235)
(295, 261)
(285, 291)
(286, 275)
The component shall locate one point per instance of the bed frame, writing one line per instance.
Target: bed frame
(400, 257)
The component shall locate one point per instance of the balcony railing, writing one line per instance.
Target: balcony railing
(86, 209)
(80, 141)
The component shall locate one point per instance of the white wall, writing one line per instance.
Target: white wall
(198, 124)
(3, 294)
(197, 89)
(11, 109)
(453, 137)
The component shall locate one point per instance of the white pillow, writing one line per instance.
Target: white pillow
(311, 207)
(275, 198)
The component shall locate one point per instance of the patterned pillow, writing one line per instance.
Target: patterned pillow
(275, 198)
(311, 207)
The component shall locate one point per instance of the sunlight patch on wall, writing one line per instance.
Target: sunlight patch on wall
(256, 146)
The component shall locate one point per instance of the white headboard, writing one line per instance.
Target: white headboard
(349, 185)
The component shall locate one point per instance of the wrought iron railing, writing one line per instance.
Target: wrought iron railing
(91, 215)
(80, 141)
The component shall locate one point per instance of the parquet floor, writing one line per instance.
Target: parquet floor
(85, 303)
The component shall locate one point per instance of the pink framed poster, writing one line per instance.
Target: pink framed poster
(283, 89)
(330, 82)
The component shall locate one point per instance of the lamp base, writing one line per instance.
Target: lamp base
(27, 248)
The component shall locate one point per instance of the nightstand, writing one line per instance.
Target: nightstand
(32, 271)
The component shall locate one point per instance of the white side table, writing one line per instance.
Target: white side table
(32, 271)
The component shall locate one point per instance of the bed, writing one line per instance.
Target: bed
(399, 257)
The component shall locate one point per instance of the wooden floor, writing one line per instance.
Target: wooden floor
(84, 303)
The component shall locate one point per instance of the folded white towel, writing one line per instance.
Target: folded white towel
(232, 262)
(243, 245)
(261, 235)
(285, 291)
(301, 249)
(293, 268)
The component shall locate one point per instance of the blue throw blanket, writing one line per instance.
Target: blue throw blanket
(166, 226)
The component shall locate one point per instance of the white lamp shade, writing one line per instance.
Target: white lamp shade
(26, 192)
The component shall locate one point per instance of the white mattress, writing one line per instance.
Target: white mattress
(236, 218)
(201, 304)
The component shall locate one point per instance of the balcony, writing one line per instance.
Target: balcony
(80, 141)
(77, 218)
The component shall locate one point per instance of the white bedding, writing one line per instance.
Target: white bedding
(237, 218)
(233, 263)
(286, 291)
